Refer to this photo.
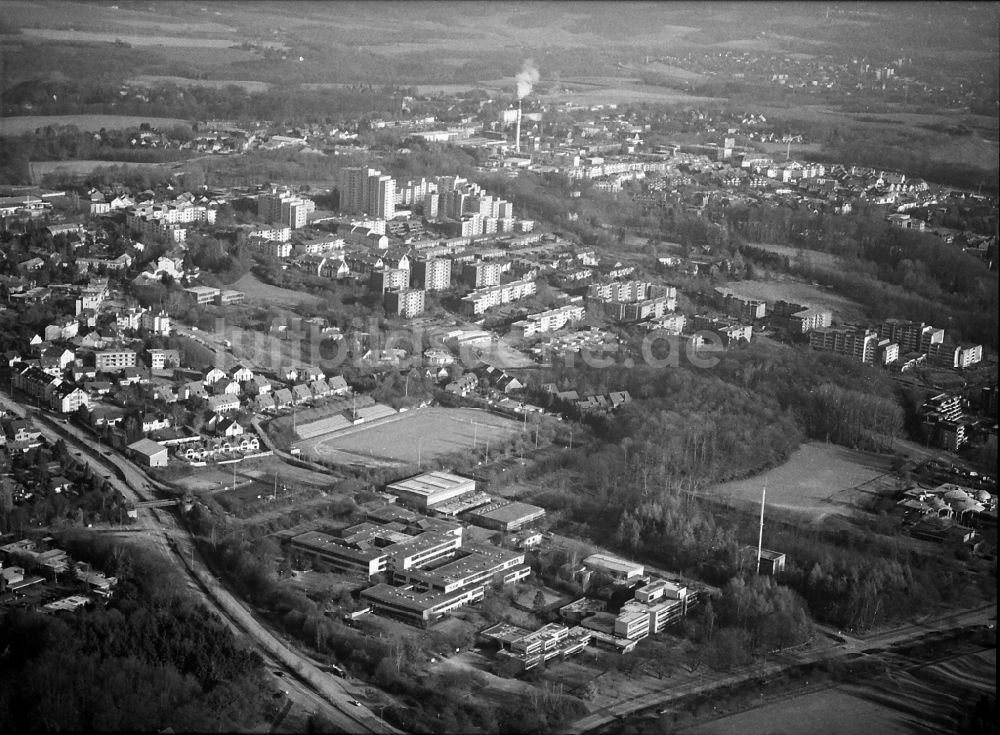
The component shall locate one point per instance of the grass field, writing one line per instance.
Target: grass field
(259, 292)
(816, 257)
(818, 480)
(412, 437)
(28, 123)
(799, 292)
(40, 169)
(924, 700)
(830, 712)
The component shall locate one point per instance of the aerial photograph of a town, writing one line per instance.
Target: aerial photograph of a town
(571, 368)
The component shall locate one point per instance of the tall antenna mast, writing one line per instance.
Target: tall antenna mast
(760, 535)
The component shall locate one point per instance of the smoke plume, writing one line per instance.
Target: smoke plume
(526, 78)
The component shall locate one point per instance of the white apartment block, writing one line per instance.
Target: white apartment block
(433, 274)
(381, 197)
(860, 344)
(432, 205)
(277, 234)
(407, 303)
(412, 192)
(156, 323)
(366, 190)
(323, 245)
(631, 291)
(114, 359)
(389, 279)
(547, 321)
(150, 228)
(285, 208)
(173, 214)
(273, 248)
(482, 299)
(481, 274)
(353, 187)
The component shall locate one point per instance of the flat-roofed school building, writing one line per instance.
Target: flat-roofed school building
(619, 569)
(427, 490)
(506, 515)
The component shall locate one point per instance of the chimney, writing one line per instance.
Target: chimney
(517, 134)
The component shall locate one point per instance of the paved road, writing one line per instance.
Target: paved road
(306, 685)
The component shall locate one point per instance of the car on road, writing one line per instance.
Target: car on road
(279, 673)
(355, 702)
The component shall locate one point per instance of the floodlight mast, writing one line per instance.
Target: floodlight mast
(760, 534)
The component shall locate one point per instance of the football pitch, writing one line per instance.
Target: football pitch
(412, 437)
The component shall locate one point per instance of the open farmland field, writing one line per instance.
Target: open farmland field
(29, 123)
(153, 79)
(799, 292)
(54, 34)
(625, 92)
(818, 480)
(413, 436)
(978, 147)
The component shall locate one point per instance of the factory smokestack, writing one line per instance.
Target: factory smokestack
(517, 134)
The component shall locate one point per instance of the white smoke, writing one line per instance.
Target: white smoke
(526, 79)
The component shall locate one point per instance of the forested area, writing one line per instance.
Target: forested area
(287, 102)
(149, 660)
(689, 429)
(91, 499)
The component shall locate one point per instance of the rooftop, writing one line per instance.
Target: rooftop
(605, 561)
(429, 483)
(508, 511)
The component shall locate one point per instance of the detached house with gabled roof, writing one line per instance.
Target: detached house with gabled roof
(338, 385)
(241, 374)
(258, 386)
(213, 376)
(226, 386)
(282, 397)
(301, 393)
(264, 402)
(229, 427)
